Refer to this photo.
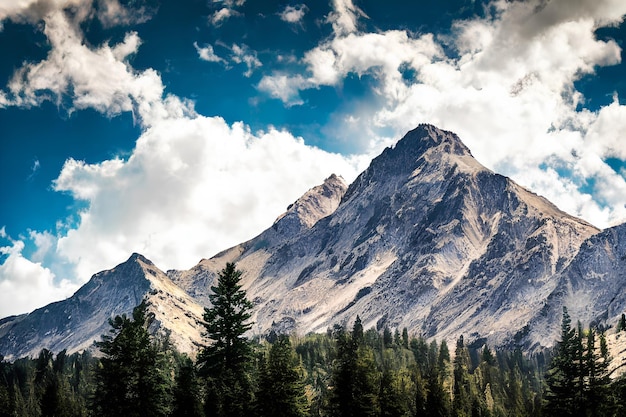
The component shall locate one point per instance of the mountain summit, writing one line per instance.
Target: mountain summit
(425, 238)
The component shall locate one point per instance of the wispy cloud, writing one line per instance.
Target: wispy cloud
(221, 15)
(34, 170)
(24, 284)
(293, 14)
(242, 54)
(206, 53)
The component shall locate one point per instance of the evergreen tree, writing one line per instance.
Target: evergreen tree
(387, 337)
(355, 382)
(461, 404)
(578, 379)
(6, 402)
(437, 399)
(561, 378)
(405, 338)
(597, 398)
(281, 386)
(393, 401)
(131, 380)
(187, 395)
(227, 361)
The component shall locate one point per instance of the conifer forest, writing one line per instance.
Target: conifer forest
(347, 371)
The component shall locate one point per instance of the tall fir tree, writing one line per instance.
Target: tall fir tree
(226, 362)
(187, 393)
(132, 379)
(282, 383)
(561, 377)
(597, 399)
(461, 404)
(355, 379)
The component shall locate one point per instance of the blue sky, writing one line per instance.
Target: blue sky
(177, 129)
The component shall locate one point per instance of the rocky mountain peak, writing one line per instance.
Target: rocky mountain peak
(315, 204)
(425, 137)
(424, 143)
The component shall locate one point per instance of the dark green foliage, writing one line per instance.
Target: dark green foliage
(187, 392)
(355, 384)
(43, 386)
(562, 375)
(282, 383)
(387, 337)
(226, 363)
(394, 397)
(132, 379)
(462, 404)
(405, 338)
(578, 380)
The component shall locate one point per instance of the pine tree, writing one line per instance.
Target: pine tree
(281, 386)
(405, 338)
(130, 380)
(387, 337)
(461, 404)
(6, 402)
(226, 362)
(355, 380)
(393, 400)
(187, 399)
(561, 378)
(597, 399)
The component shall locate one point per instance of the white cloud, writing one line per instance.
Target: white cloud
(242, 54)
(99, 78)
(109, 12)
(293, 14)
(26, 285)
(231, 3)
(509, 94)
(221, 15)
(192, 187)
(207, 54)
(344, 17)
(284, 87)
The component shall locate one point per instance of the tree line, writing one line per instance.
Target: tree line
(345, 372)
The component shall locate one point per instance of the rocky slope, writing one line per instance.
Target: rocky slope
(592, 287)
(74, 324)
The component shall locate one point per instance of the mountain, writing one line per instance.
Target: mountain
(425, 238)
(75, 323)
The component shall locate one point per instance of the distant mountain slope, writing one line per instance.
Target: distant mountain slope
(77, 322)
(592, 286)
